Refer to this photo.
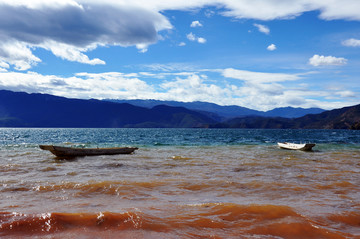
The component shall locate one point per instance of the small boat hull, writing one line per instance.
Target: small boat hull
(292, 146)
(69, 152)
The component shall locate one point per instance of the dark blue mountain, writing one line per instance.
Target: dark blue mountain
(344, 118)
(226, 112)
(290, 112)
(18, 109)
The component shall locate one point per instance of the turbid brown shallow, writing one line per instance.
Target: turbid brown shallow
(239, 191)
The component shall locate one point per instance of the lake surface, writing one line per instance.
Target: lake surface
(181, 183)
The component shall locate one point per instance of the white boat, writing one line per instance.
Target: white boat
(304, 147)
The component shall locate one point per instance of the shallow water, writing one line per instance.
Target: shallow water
(181, 183)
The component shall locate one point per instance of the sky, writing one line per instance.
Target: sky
(259, 54)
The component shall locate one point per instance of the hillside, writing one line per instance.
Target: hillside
(225, 112)
(344, 118)
(19, 109)
(291, 112)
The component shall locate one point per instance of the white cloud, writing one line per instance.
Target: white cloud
(3, 66)
(351, 42)
(193, 88)
(318, 60)
(71, 53)
(256, 9)
(186, 86)
(271, 47)
(169, 67)
(201, 40)
(142, 47)
(81, 85)
(36, 4)
(191, 37)
(182, 44)
(274, 9)
(83, 25)
(262, 91)
(258, 77)
(27, 25)
(196, 24)
(262, 28)
(346, 93)
(18, 54)
(333, 9)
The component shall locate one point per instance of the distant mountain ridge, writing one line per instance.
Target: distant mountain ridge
(19, 109)
(344, 118)
(226, 112)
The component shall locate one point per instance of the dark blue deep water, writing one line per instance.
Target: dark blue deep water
(173, 137)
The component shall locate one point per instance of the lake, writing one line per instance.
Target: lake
(181, 183)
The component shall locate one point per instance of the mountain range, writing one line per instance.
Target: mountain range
(225, 112)
(19, 109)
(344, 118)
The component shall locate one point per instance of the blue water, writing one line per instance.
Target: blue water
(29, 137)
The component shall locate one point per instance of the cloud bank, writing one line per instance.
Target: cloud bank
(257, 90)
(71, 28)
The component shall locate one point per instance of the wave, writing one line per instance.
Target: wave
(210, 220)
(173, 186)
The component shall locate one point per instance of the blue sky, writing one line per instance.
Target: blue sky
(259, 54)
